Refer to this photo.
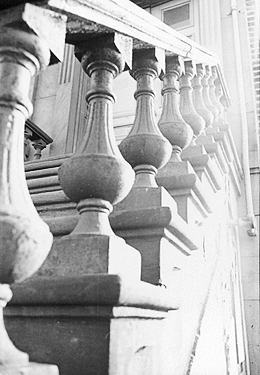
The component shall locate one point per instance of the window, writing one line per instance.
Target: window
(181, 15)
(178, 16)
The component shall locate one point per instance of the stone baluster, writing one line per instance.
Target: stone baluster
(39, 145)
(212, 95)
(223, 125)
(206, 169)
(187, 109)
(27, 136)
(171, 123)
(25, 240)
(197, 97)
(145, 148)
(218, 94)
(97, 176)
(205, 93)
(178, 176)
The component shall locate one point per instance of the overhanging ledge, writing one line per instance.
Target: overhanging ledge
(92, 17)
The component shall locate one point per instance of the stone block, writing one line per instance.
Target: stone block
(205, 167)
(148, 220)
(181, 181)
(92, 254)
(98, 324)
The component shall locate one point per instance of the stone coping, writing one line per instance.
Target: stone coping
(92, 290)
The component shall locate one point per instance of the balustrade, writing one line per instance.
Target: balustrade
(148, 151)
(178, 176)
(87, 270)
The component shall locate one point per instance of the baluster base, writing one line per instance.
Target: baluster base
(205, 167)
(95, 324)
(148, 220)
(85, 254)
(182, 182)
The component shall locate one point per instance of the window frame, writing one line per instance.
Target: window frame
(191, 30)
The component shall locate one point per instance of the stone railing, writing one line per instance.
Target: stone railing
(91, 273)
(36, 137)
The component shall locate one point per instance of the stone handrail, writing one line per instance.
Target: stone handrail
(91, 17)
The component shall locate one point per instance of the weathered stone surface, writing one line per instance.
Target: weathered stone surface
(83, 254)
(89, 339)
(80, 323)
(25, 240)
(32, 240)
(90, 290)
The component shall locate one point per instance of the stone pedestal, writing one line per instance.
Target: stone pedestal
(215, 150)
(82, 254)
(148, 220)
(205, 167)
(182, 182)
(222, 139)
(96, 325)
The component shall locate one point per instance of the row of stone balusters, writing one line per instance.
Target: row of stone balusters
(197, 106)
(97, 177)
(188, 112)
